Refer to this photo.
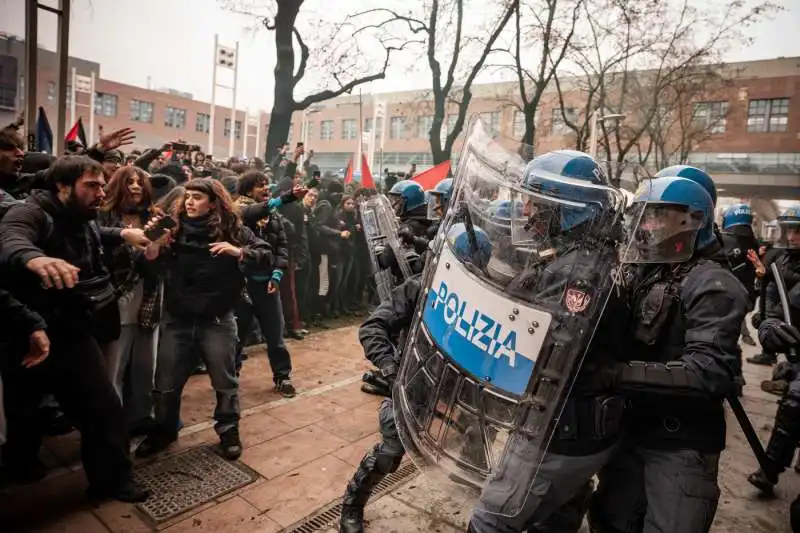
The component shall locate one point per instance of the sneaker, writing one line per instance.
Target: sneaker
(777, 386)
(54, 422)
(128, 492)
(200, 369)
(763, 359)
(142, 427)
(295, 334)
(285, 387)
(230, 444)
(155, 442)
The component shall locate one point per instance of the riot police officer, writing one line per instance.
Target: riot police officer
(686, 318)
(738, 240)
(564, 245)
(381, 336)
(779, 335)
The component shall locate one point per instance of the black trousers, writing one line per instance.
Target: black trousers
(76, 374)
(266, 309)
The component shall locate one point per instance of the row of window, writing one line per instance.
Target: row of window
(763, 115)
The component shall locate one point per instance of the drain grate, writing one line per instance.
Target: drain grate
(328, 516)
(188, 480)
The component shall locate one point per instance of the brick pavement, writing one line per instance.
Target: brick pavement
(305, 449)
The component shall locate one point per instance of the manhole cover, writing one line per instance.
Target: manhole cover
(188, 480)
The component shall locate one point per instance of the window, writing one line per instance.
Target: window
(559, 126)
(424, 125)
(290, 134)
(106, 105)
(397, 127)
(174, 117)
(141, 111)
(451, 123)
(203, 123)
(349, 129)
(710, 115)
(492, 121)
(51, 91)
(379, 128)
(309, 131)
(237, 129)
(367, 124)
(326, 130)
(768, 115)
(69, 95)
(518, 127)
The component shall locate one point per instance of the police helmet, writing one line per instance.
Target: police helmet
(439, 199)
(737, 215)
(405, 196)
(698, 176)
(675, 218)
(501, 209)
(574, 183)
(478, 252)
(789, 225)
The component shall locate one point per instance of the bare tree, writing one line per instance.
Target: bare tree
(550, 29)
(341, 60)
(442, 32)
(655, 47)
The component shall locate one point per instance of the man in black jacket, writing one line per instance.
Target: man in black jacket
(51, 254)
(263, 288)
(294, 216)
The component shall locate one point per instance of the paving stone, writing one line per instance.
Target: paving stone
(287, 452)
(353, 453)
(233, 516)
(352, 425)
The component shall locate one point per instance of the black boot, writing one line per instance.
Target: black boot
(794, 515)
(373, 468)
(781, 447)
(764, 358)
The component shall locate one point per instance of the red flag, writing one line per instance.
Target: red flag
(348, 174)
(366, 174)
(433, 175)
(77, 133)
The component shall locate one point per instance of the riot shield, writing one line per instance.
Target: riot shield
(510, 303)
(380, 230)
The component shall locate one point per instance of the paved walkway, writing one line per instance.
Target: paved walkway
(305, 449)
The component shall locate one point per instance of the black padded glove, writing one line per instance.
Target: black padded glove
(777, 336)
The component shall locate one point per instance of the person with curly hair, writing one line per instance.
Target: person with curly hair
(205, 258)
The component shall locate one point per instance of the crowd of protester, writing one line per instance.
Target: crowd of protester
(122, 274)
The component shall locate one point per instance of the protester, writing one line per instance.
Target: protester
(203, 265)
(131, 358)
(331, 233)
(52, 236)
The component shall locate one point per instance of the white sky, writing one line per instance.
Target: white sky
(172, 42)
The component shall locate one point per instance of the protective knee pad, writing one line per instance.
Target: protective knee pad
(385, 463)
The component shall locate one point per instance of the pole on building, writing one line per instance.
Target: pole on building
(213, 96)
(233, 105)
(92, 97)
(258, 134)
(31, 62)
(360, 145)
(73, 96)
(246, 129)
(63, 65)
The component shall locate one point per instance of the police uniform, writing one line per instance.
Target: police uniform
(588, 429)
(786, 431)
(687, 311)
(381, 336)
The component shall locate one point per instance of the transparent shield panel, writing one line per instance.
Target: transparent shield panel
(517, 282)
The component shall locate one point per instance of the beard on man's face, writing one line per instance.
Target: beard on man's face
(86, 210)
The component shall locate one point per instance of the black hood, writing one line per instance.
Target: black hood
(173, 171)
(162, 185)
(34, 162)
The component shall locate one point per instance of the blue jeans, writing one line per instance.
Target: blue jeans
(181, 339)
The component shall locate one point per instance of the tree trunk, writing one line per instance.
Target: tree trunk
(283, 105)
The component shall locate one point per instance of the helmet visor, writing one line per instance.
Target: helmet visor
(398, 203)
(788, 234)
(660, 233)
(436, 205)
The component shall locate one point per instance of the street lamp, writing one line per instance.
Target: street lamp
(307, 111)
(596, 118)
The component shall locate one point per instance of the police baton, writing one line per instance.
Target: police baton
(749, 432)
(787, 317)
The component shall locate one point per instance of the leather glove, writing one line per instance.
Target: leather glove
(389, 374)
(778, 336)
(755, 320)
(406, 236)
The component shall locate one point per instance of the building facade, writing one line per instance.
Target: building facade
(754, 118)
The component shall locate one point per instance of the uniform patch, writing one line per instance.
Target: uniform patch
(576, 300)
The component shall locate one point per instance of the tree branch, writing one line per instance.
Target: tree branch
(304, 53)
